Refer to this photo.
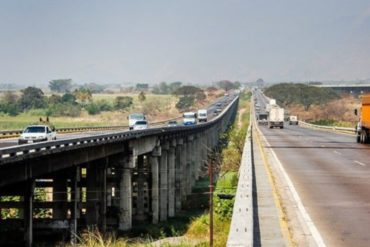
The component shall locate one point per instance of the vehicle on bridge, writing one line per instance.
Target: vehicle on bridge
(293, 120)
(262, 118)
(36, 133)
(172, 123)
(133, 118)
(363, 126)
(190, 118)
(202, 115)
(276, 117)
(140, 125)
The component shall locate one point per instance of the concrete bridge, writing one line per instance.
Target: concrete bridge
(108, 181)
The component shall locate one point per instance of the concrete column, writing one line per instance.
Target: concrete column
(140, 201)
(154, 164)
(125, 217)
(163, 207)
(92, 195)
(59, 196)
(189, 165)
(183, 167)
(171, 182)
(75, 212)
(178, 174)
(103, 195)
(28, 211)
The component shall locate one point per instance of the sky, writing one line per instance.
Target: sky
(195, 41)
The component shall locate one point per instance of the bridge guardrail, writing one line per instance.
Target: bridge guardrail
(331, 128)
(241, 229)
(18, 152)
(15, 133)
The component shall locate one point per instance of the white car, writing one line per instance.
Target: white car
(36, 133)
(140, 125)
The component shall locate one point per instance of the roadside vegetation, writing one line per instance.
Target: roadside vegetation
(69, 105)
(314, 104)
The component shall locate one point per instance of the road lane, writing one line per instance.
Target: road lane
(325, 170)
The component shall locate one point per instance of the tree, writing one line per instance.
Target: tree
(69, 98)
(61, 85)
(9, 98)
(122, 102)
(187, 90)
(163, 88)
(54, 99)
(32, 97)
(227, 85)
(83, 95)
(141, 96)
(185, 103)
(93, 87)
(174, 86)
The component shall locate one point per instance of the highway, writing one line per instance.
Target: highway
(211, 109)
(331, 174)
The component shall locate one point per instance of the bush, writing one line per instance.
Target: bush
(122, 102)
(92, 108)
(185, 103)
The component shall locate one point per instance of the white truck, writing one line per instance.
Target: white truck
(293, 120)
(190, 118)
(202, 115)
(36, 133)
(133, 118)
(276, 117)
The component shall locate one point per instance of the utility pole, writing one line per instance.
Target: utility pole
(210, 171)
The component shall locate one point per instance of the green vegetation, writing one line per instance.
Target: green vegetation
(287, 94)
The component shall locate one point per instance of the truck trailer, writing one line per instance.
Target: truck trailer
(363, 125)
(276, 117)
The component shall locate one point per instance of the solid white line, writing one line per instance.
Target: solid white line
(360, 163)
(310, 224)
(337, 152)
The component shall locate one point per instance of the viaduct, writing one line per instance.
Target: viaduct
(107, 181)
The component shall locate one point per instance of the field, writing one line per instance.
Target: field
(157, 107)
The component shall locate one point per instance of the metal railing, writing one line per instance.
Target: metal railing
(241, 229)
(16, 153)
(330, 128)
(15, 133)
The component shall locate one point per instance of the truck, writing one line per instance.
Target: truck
(133, 118)
(190, 118)
(276, 117)
(363, 125)
(293, 120)
(202, 115)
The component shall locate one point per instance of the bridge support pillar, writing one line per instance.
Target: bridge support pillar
(140, 200)
(154, 164)
(28, 213)
(163, 184)
(171, 179)
(59, 196)
(75, 212)
(178, 174)
(183, 168)
(103, 195)
(92, 195)
(125, 192)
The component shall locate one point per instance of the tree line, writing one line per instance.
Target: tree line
(287, 94)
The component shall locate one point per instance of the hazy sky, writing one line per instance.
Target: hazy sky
(189, 40)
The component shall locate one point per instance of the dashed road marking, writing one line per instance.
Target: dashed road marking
(322, 146)
(335, 151)
(359, 163)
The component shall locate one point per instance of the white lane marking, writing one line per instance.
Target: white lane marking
(306, 217)
(360, 163)
(322, 146)
(337, 152)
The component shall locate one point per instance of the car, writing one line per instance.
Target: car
(140, 125)
(172, 123)
(37, 133)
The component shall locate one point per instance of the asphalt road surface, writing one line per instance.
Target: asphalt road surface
(331, 173)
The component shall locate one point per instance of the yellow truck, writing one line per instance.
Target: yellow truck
(363, 125)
